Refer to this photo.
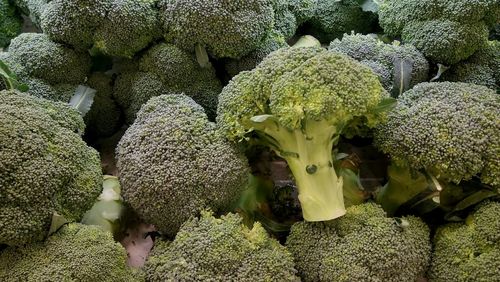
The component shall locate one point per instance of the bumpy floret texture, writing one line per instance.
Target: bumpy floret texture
(31, 8)
(363, 245)
(382, 58)
(228, 29)
(446, 31)
(165, 69)
(468, 251)
(449, 129)
(75, 253)
(10, 22)
(302, 9)
(46, 167)
(285, 22)
(220, 249)
(173, 162)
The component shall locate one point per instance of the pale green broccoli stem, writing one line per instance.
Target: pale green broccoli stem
(308, 152)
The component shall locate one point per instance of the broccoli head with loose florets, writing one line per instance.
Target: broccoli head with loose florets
(446, 31)
(76, 252)
(173, 162)
(10, 22)
(222, 249)
(363, 245)
(46, 167)
(468, 251)
(298, 102)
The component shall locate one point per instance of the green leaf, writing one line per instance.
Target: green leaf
(202, 56)
(401, 76)
(441, 70)
(385, 105)
(83, 99)
(10, 78)
(56, 223)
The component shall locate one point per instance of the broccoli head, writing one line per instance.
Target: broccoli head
(363, 245)
(285, 22)
(76, 252)
(10, 22)
(220, 249)
(446, 31)
(302, 9)
(468, 251)
(46, 167)
(173, 162)
(31, 8)
(298, 102)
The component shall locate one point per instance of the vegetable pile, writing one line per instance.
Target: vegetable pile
(250, 140)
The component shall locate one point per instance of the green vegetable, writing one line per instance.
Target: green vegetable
(10, 23)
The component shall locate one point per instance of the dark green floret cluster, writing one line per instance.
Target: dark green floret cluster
(10, 22)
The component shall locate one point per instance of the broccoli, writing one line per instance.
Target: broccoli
(285, 22)
(31, 8)
(445, 129)
(384, 58)
(173, 162)
(222, 249)
(302, 9)
(46, 167)
(227, 29)
(363, 245)
(446, 31)
(10, 23)
(468, 251)
(482, 68)
(298, 102)
(334, 18)
(116, 28)
(76, 252)
(165, 69)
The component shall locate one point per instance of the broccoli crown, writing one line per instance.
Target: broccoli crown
(229, 29)
(173, 162)
(59, 92)
(482, 68)
(46, 167)
(10, 22)
(468, 251)
(446, 31)
(32, 8)
(285, 21)
(39, 57)
(165, 69)
(220, 249)
(382, 58)
(302, 9)
(333, 18)
(363, 245)
(449, 129)
(75, 253)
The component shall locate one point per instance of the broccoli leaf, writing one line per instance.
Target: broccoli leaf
(83, 99)
(10, 78)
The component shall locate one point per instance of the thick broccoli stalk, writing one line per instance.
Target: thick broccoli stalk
(468, 251)
(220, 249)
(173, 162)
(446, 31)
(298, 102)
(363, 245)
(75, 253)
(10, 23)
(47, 169)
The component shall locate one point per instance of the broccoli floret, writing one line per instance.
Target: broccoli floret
(165, 69)
(298, 102)
(75, 253)
(46, 167)
(363, 245)
(10, 22)
(59, 92)
(446, 31)
(302, 9)
(229, 29)
(383, 58)
(31, 8)
(333, 18)
(173, 162)
(482, 68)
(468, 251)
(222, 249)
(285, 22)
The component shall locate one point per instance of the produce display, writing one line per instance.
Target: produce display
(250, 140)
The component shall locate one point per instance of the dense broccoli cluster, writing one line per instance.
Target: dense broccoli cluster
(384, 59)
(173, 162)
(46, 167)
(75, 253)
(468, 251)
(31, 8)
(220, 249)
(363, 245)
(446, 31)
(10, 22)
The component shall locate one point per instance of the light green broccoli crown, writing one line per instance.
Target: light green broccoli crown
(229, 29)
(10, 23)
(75, 253)
(468, 251)
(174, 159)
(446, 31)
(47, 168)
(363, 245)
(220, 249)
(449, 129)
